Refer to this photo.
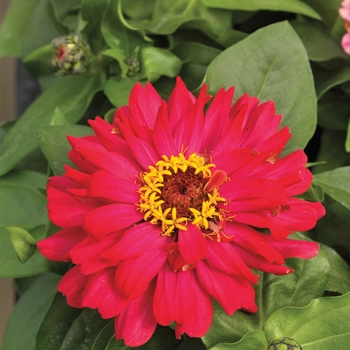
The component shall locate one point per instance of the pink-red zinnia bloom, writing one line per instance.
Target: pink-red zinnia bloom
(171, 206)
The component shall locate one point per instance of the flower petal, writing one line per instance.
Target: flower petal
(231, 292)
(136, 323)
(110, 218)
(192, 244)
(58, 246)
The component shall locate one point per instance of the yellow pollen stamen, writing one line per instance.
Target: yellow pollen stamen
(173, 193)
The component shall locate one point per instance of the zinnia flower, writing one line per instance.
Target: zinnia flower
(171, 206)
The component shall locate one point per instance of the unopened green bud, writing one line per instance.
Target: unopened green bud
(133, 66)
(71, 54)
(284, 344)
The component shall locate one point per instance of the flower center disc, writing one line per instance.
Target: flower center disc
(174, 192)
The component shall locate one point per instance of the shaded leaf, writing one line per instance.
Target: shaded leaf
(162, 339)
(339, 279)
(65, 328)
(320, 45)
(29, 312)
(38, 62)
(336, 183)
(196, 58)
(321, 325)
(118, 90)
(71, 94)
(264, 66)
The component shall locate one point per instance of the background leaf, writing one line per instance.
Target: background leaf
(29, 312)
(21, 205)
(294, 6)
(65, 328)
(12, 30)
(336, 183)
(321, 325)
(339, 278)
(265, 67)
(71, 94)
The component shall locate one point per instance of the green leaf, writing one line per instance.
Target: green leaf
(21, 205)
(38, 62)
(162, 339)
(118, 33)
(66, 13)
(23, 242)
(42, 28)
(335, 105)
(196, 58)
(58, 118)
(118, 90)
(71, 94)
(327, 9)
(293, 6)
(339, 279)
(65, 328)
(254, 340)
(332, 151)
(264, 65)
(326, 79)
(169, 15)
(321, 325)
(29, 312)
(104, 337)
(18, 17)
(54, 144)
(336, 183)
(272, 293)
(157, 62)
(320, 45)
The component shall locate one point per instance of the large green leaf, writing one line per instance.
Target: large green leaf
(294, 6)
(65, 328)
(29, 312)
(17, 18)
(339, 279)
(336, 183)
(322, 325)
(54, 144)
(320, 45)
(71, 94)
(272, 293)
(254, 340)
(21, 205)
(271, 64)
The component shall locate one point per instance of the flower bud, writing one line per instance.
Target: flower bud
(284, 344)
(71, 54)
(133, 66)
